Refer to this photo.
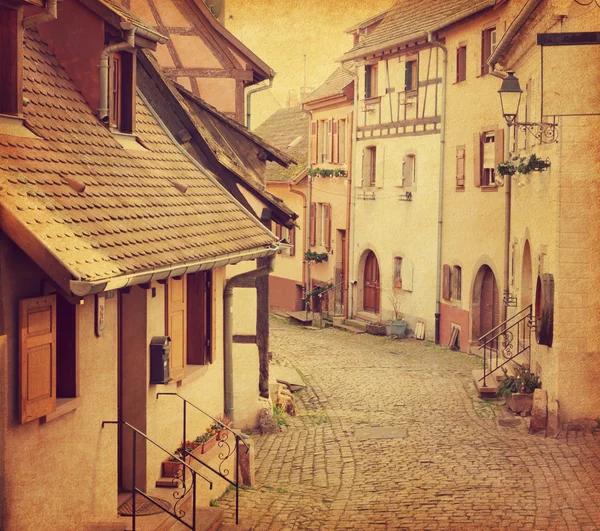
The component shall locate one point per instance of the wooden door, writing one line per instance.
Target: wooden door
(489, 309)
(371, 284)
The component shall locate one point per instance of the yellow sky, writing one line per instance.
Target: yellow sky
(281, 32)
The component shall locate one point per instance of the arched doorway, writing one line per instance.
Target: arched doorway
(489, 307)
(371, 284)
(526, 280)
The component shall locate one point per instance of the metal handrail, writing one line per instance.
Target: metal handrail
(504, 323)
(223, 457)
(135, 490)
(491, 343)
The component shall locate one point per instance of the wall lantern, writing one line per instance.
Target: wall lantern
(510, 99)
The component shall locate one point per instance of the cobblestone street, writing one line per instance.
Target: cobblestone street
(391, 435)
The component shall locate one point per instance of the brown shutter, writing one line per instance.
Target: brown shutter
(446, 283)
(335, 136)
(198, 318)
(278, 230)
(327, 213)
(330, 139)
(177, 326)
(37, 357)
(313, 224)
(460, 166)
(293, 241)
(477, 159)
(11, 66)
(484, 54)
(314, 142)
(453, 284)
(499, 146)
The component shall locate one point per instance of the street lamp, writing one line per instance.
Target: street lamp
(510, 99)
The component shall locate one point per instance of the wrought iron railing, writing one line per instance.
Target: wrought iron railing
(507, 341)
(182, 488)
(223, 443)
(332, 300)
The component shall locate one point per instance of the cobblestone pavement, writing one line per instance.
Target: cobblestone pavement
(448, 465)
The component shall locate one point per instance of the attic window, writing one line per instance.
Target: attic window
(122, 92)
(11, 53)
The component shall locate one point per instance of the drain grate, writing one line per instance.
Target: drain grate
(143, 507)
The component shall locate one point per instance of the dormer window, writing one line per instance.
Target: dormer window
(122, 92)
(11, 53)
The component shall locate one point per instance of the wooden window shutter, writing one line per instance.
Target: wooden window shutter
(177, 325)
(330, 141)
(293, 241)
(278, 230)
(499, 146)
(327, 213)
(484, 53)
(460, 166)
(407, 275)
(446, 282)
(198, 322)
(37, 357)
(366, 166)
(313, 224)
(477, 158)
(367, 81)
(314, 142)
(335, 136)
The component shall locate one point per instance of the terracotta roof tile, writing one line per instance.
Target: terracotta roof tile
(408, 19)
(287, 130)
(130, 217)
(333, 85)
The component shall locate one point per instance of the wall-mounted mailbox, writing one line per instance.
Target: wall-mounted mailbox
(160, 347)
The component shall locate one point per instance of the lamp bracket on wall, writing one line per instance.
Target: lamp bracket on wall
(544, 132)
(405, 197)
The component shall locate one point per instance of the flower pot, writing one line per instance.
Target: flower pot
(399, 327)
(207, 445)
(520, 402)
(376, 329)
(172, 469)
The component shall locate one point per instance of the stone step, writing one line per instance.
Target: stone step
(359, 324)
(207, 519)
(491, 384)
(350, 329)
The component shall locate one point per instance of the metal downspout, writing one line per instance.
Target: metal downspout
(254, 91)
(233, 282)
(441, 184)
(129, 44)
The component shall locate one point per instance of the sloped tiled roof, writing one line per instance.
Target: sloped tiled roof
(135, 213)
(408, 19)
(333, 86)
(287, 130)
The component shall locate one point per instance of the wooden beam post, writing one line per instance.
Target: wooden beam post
(262, 317)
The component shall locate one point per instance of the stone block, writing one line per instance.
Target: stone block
(247, 463)
(539, 411)
(553, 426)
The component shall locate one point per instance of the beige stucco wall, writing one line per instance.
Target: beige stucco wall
(386, 225)
(71, 454)
(557, 211)
(473, 228)
(286, 266)
(332, 190)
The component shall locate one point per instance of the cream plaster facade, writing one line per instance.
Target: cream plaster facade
(395, 216)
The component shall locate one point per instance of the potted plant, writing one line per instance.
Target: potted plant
(399, 325)
(518, 389)
(172, 467)
(376, 329)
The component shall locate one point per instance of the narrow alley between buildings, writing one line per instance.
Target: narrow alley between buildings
(390, 434)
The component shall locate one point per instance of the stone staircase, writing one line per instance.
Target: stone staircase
(354, 326)
(490, 389)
